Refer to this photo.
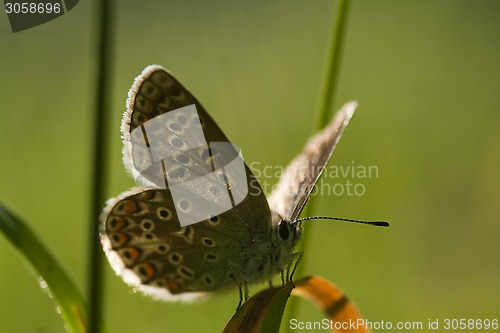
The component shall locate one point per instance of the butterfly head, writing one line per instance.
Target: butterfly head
(287, 234)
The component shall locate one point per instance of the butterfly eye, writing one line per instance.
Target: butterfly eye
(283, 230)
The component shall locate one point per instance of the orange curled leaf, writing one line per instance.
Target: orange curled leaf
(264, 311)
(334, 303)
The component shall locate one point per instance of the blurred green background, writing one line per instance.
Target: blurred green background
(427, 78)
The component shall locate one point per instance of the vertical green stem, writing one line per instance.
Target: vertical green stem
(99, 160)
(331, 72)
(327, 96)
(324, 112)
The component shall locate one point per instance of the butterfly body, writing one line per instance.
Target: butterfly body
(141, 232)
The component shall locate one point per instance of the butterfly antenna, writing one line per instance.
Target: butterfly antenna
(375, 223)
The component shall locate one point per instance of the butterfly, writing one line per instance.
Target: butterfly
(250, 242)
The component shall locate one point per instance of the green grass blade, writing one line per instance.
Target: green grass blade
(105, 11)
(62, 288)
(325, 111)
(323, 115)
(332, 66)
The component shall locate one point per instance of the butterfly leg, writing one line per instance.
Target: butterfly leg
(246, 291)
(240, 288)
(298, 255)
(240, 285)
(241, 297)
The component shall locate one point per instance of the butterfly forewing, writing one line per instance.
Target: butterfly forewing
(161, 118)
(295, 186)
(141, 233)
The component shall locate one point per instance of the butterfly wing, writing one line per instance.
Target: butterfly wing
(165, 123)
(295, 186)
(147, 247)
(156, 93)
(140, 229)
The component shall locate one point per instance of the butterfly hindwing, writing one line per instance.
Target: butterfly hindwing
(141, 227)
